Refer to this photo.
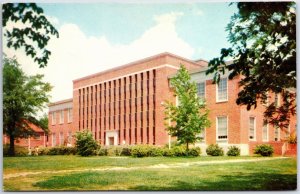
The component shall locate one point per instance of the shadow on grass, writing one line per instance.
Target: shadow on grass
(248, 182)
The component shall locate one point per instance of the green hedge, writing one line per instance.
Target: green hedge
(214, 150)
(264, 150)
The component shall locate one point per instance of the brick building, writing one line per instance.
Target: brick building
(122, 106)
(40, 140)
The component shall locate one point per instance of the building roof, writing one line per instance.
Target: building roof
(60, 102)
(142, 61)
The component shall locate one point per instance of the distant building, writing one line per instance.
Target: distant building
(122, 106)
(31, 142)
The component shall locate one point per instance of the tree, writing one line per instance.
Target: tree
(86, 145)
(263, 39)
(23, 97)
(190, 116)
(33, 35)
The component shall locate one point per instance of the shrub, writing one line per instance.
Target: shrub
(168, 152)
(85, 144)
(155, 151)
(233, 151)
(264, 150)
(19, 150)
(102, 152)
(126, 151)
(179, 151)
(140, 151)
(194, 152)
(214, 150)
(292, 139)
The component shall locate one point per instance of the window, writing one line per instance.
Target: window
(276, 133)
(265, 131)
(277, 103)
(252, 128)
(201, 89)
(53, 139)
(222, 90)
(202, 135)
(70, 115)
(53, 118)
(69, 137)
(221, 128)
(61, 138)
(38, 137)
(61, 117)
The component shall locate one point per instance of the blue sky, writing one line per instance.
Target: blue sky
(99, 36)
(202, 25)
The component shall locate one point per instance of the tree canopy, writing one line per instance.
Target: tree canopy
(189, 117)
(23, 97)
(34, 33)
(263, 52)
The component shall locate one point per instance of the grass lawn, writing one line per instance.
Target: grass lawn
(153, 173)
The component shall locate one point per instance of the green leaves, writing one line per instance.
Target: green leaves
(189, 117)
(263, 49)
(23, 97)
(33, 38)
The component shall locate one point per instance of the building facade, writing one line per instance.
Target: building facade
(234, 125)
(123, 106)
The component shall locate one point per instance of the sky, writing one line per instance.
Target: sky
(98, 36)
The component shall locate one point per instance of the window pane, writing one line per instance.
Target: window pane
(201, 90)
(222, 89)
(265, 131)
(252, 128)
(276, 134)
(222, 127)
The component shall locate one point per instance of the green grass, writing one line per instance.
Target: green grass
(278, 174)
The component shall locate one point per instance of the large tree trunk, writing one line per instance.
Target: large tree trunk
(187, 146)
(11, 151)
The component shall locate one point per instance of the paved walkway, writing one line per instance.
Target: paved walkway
(156, 166)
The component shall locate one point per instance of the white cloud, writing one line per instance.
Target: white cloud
(75, 55)
(198, 12)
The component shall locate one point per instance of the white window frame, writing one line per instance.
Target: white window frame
(61, 117)
(267, 126)
(217, 131)
(69, 115)
(204, 83)
(254, 129)
(53, 116)
(217, 91)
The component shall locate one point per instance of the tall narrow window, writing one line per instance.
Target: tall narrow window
(276, 134)
(265, 130)
(69, 137)
(201, 89)
(70, 115)
(222, 92)
(221, 128)
(61, 117)
(53, 118)
(252, 128)
(201, 135)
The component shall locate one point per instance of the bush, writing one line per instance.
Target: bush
(214, 150)
(19, 150)
(140, 151)
(264, 150)
(102, 152)
(194, 152)
(126, 151)
(233, 151)
(179, 150)
(168, 152)
(85, 144)
(155, 151)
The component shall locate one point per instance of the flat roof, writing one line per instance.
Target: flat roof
(140, 61)
(60, 102)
